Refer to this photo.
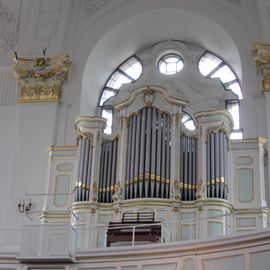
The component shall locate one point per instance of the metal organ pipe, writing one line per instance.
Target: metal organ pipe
(208, 158)
(137, 154)
(153, 153)
(217, 179)
(194, 166)
(158, 160)
(114, 162)
(148, 151)
(89, 170)
(189, 170)
(168, 157)
(76, 189)
(163, 157)
(128, 161)
(132, 154)
(225, 167)
(142, 153)
(109, 176)
(222, 168)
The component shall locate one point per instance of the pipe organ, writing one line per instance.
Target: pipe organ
(152, 162)
(160, 159)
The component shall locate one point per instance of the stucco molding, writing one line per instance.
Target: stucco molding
(9, 29)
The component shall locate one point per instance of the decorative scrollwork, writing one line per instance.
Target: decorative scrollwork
(85, 135)
(41, 77)
(176, 190)
(148, 97)
(219, 128)
(118, 192)
(94, 192)
(200, 191)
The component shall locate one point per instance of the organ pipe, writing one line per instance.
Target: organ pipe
(153, 154)
(148, 151)
(137, 154)
(163, 158)
(158, 160)
(131, 171)
(142, 153)
(225, 167)
(168, 157)
(128, 162)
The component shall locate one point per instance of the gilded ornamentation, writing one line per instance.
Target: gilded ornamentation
(117, 194)
(9, 29)
(94, 192)
(266, 79)
(41, 78)
(148, 97)
(176, 191)
(219, 128)
(200, 192)
(262, 58)
(85, 135)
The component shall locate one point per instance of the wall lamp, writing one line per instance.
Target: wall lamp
(24, 206)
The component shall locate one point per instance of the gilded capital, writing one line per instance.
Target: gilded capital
(262, 58)
(41, 78)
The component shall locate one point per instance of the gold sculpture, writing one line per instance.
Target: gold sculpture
(41, 78)
(262, 58)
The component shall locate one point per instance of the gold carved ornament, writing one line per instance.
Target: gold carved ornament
(41, 78)
(262, 58)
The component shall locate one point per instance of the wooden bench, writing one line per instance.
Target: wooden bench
(122, 231)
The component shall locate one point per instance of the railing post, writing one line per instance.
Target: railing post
(133, 235)
(162, 233)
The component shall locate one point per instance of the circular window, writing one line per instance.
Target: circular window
(170, 64)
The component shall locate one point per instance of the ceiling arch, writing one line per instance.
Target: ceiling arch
(144, 29)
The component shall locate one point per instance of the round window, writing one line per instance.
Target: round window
(170, 64)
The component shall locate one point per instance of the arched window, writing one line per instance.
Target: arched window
(212, 66)
(127, 72)
(188, 122)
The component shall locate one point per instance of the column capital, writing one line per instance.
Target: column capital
(87, 125)
(262, 58)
